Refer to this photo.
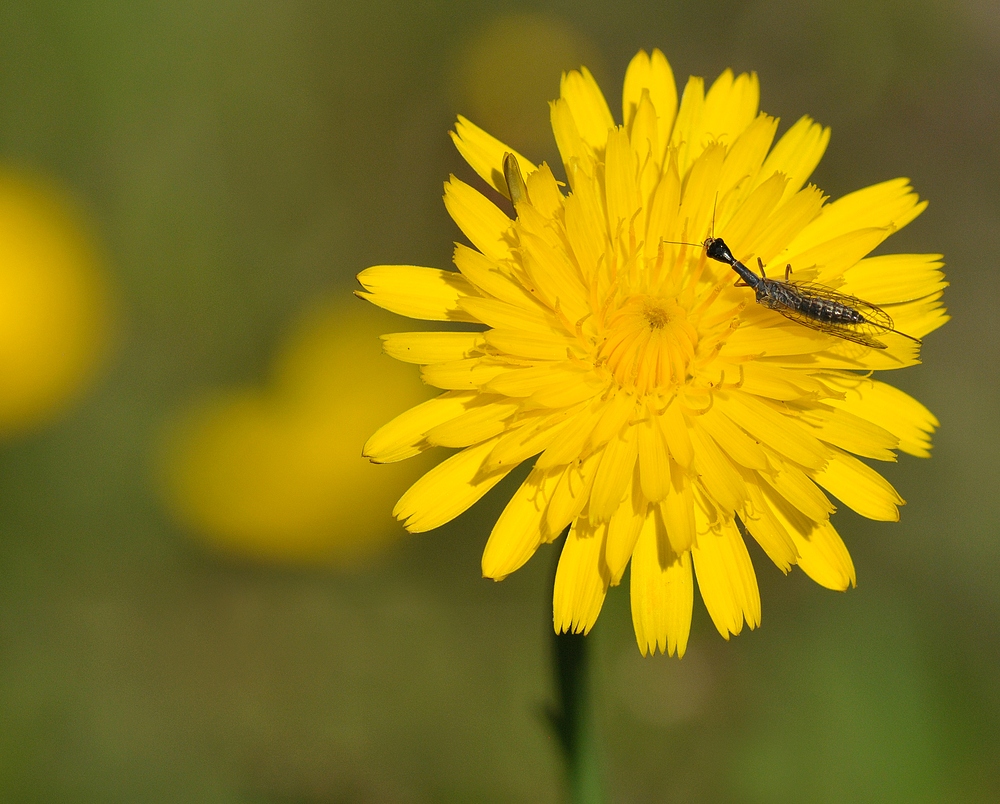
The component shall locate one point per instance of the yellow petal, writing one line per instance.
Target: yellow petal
(765, 528)
(544, 192)
(774, 337)
(490, 277)
(520, 443)
(588, 107)
(643, 136)
(796, 154)
(796, 487)
(485, 154)
(765, 379)
(831, 258)
(733, 440)
(586, 227)
(572, 389)
(432, 347)
(550, 346)
(521, 382)
(517, 533)
(501, 315)
(859, 487)
(787, 221)
(846, 430)
(479, 218)
(716, 471)
(654, 461)
(447, 490)
(742, 230)
(618, 411)
(687, 125)
(744, 159)
(662, 216)
(698, 205)
(582, 579)
(552, 278)
(823, 557)
(889, 408)
(460, 375)
(569, 446)
(674, 426)
(403, 437)
(621, 197)
(677, 511)
(653, 75)
(730, 106)
(623, 530)
(895, 278)
(570, 495)
(572, 148)
(821, 552)
(916, 318)
(662, 593)
(784, 434)
(613, 475)
(725, 577)
(484, 419)
(426, 293)
(891, 204)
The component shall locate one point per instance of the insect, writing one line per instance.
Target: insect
(809, 303)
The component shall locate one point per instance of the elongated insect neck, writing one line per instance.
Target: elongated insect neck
(745, 273)
(716, 249)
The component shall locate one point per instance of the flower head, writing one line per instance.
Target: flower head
(672, 416)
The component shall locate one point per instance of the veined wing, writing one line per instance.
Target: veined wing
(875, 320)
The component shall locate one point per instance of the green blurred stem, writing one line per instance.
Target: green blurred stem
(573, 721)
(573, 718)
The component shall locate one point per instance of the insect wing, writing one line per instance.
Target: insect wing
(876, 320)
(873, 315)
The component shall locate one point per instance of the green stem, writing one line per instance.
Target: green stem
(573, 718)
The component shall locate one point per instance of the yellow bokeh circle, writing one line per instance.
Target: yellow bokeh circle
(506, 73)
(54, 303)
(276, 473)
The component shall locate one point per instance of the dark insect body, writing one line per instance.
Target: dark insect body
(810, 304)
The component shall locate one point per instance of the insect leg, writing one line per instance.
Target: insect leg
(760, 264)
(788, 271)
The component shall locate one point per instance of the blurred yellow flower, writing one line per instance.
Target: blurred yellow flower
(505, 75)
(276, 474)
(54, 302)
(671, 414)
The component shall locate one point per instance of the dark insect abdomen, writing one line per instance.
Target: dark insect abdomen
(778, 295)
(833, 312)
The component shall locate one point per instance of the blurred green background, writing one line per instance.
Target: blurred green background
(239, 163)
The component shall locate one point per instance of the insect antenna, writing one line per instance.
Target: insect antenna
(682, 243)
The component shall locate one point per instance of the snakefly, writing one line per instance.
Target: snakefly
(809, 303)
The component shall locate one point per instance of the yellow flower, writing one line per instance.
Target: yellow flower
(55, 302)
(275, 473)
(671, 414)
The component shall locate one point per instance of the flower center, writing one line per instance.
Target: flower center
(649, 344)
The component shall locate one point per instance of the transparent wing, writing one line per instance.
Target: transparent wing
(876, 320)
